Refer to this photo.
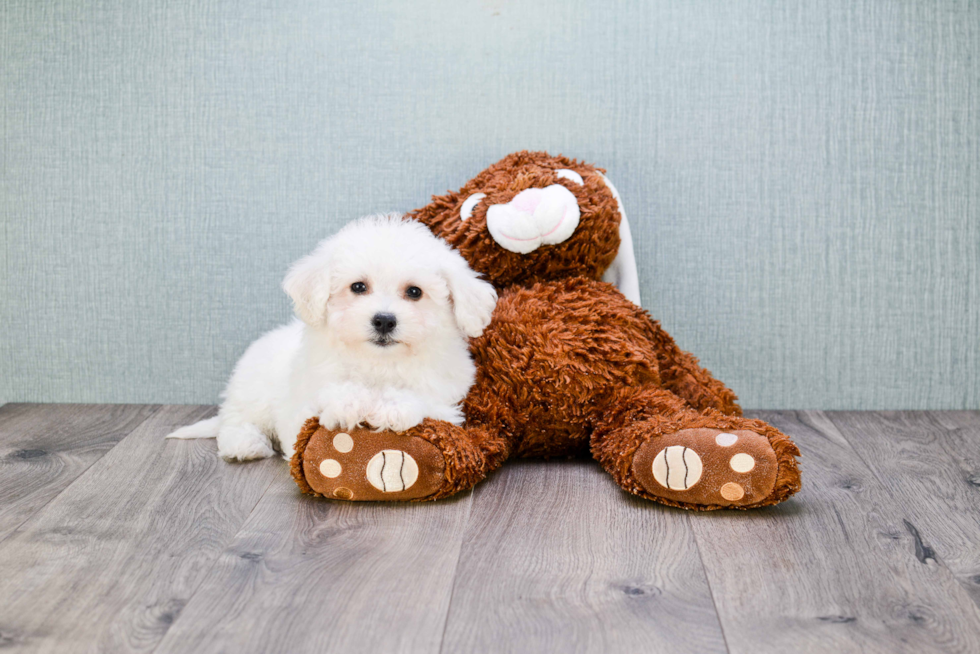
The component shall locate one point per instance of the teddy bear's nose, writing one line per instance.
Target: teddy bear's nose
(527, 201)
(534, 217)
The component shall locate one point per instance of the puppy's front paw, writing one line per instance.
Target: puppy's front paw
(329, 419)
(344, 407)
(396, 416)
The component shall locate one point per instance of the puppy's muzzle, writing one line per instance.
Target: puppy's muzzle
(384, 324)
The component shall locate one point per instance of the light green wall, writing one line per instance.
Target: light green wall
(802, 178)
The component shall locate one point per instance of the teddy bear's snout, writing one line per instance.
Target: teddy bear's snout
(535, 217)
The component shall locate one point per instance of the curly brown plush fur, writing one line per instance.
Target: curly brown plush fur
(555, 355)
(569, 366)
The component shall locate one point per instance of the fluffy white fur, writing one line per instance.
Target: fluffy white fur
(334, 363)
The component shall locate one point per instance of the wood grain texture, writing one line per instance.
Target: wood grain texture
(835, 569)
(931, 463)
(311, 575)
(45, 447)
(107, 565)
(161, 546)
(559, 559)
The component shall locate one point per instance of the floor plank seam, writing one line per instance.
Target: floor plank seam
(74, 481)
(829, 415)
(909, 527)
(214, 561)
(707, 579)
(459, 556)
(922, 550)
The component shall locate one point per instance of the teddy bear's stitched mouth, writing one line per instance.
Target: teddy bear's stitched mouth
(542, 236)
(534, 217)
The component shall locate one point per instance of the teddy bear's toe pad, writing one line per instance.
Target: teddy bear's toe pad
(707, 467)
(361, 464)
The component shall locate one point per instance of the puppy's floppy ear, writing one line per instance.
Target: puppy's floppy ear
(308, 284)
(473, 299)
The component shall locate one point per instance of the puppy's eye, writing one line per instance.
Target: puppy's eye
(570, 175)
(358, 287)
(413, 292)
(466, 210)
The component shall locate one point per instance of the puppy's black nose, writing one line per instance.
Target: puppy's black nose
(384, 323)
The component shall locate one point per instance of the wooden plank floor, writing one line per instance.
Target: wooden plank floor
(115, 540)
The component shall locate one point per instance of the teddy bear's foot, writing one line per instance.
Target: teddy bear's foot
(364, 465)
(655, 446)
(432, 460)
(707, 467)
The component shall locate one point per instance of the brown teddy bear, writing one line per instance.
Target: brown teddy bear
(569, 364)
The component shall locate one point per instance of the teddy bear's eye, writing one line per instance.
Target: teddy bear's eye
(571, 175)
(466, 210)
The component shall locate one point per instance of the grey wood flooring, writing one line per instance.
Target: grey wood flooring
(114, 540)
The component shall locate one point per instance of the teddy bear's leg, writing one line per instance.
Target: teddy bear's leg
(430, 461)
(657, 447)
(681, 374)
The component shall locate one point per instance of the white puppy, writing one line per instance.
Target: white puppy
(385, 310)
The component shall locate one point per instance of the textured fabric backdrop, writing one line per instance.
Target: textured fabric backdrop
(802, 178)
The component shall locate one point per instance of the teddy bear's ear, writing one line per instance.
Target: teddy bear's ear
(473, 299)
(308, 284)
(622, 273)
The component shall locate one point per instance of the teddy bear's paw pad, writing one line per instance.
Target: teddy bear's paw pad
(707, 467)
(361, 464)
